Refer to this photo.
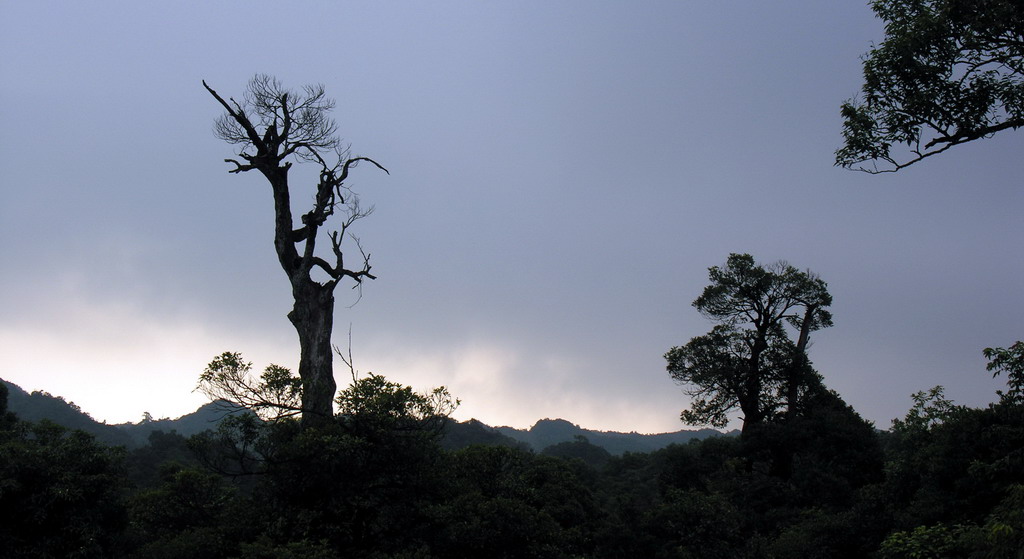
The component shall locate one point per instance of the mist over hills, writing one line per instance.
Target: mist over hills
(545, 433)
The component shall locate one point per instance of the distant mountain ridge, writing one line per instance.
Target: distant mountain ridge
(41, 405)
(549, 432)
(206, 417)
(545, 433)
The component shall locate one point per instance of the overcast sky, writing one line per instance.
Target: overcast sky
(562, 176)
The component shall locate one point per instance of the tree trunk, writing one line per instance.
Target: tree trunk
(784, 449)
(750, 402)
(750, 399)
(313, 318)
(797, 369)
(752, 418)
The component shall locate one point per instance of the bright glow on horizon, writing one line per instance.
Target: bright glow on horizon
(115, 363)
(497, 386)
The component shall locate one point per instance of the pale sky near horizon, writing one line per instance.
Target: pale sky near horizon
(562, 176)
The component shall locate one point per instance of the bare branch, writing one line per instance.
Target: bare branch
(348, 361)
(238, 115)
(323, 265)
(897, 166)
(353, 162)
(239, 168)
(961, 137)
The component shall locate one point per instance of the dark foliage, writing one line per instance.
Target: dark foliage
(948, 72)
(459, 435)
(580, 449)
(376, 482)
(60, 493)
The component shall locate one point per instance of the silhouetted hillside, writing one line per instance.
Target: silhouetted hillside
(41, 405)
(460, 434)
(549, 432)
(545, 433)
(204, 418)
(591, 454)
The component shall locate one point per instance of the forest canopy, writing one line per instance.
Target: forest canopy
(378, 481)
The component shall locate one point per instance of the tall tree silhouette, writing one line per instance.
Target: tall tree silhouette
(748, 361)
(275, 126)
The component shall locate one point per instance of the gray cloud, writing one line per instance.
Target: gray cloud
(562, 177)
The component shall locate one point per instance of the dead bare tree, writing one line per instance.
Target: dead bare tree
(273, 127)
